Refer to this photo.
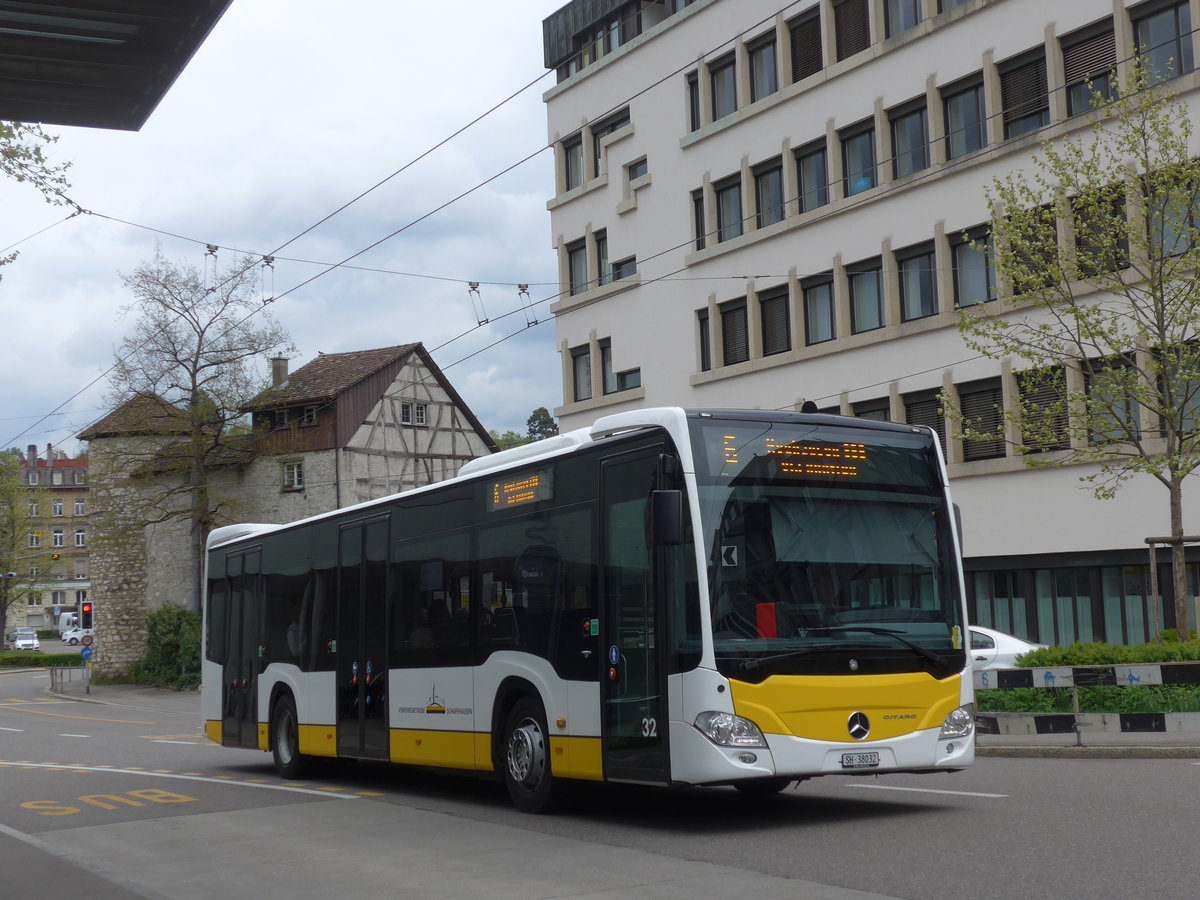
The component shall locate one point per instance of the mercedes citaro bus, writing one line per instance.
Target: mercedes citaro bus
(671, 597)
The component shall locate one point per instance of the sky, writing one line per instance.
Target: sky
(285, 113)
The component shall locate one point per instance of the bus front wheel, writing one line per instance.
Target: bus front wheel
(532, 786)
(285, 740)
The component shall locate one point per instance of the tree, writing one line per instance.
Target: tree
(197, 346)
(508, 440)
(541, 424)
(1097, 253)
(24, 557)
(23, 160)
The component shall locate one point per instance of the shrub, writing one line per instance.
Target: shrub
(172, 649)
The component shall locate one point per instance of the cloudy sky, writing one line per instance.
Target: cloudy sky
(285, 113)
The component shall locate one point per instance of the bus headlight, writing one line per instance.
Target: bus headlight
(959, 723)
(727, 730)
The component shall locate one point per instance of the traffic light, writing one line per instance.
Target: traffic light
(85, 615)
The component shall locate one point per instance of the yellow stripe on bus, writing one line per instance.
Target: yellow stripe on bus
(317, 740)
(447, 749)
(818, 707)
(213, 730)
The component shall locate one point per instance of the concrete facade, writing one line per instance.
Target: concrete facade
(703, 265)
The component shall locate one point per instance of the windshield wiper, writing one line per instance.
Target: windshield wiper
(935, 658)
(753, 665)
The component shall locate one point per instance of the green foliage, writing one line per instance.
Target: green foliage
(31, 659)
(508, 440)
(541, 424)
(1096, 654)
(172, 649)
(1147, 698)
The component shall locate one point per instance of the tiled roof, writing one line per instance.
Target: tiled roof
(330, 374)
(144, 413)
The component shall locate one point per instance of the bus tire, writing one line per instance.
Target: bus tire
(285, 740)
(763, 787)
(526, 759)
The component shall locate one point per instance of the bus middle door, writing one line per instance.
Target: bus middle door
(239, 689)
(362, 719)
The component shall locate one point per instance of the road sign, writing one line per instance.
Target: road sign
(86, 640)
(86, 653)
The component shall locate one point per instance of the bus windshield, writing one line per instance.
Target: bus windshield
(831, 549)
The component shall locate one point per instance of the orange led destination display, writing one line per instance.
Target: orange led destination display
(528, 487)
(834, 460)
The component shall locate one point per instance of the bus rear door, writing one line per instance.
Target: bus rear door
(239, 688)
(362, 719)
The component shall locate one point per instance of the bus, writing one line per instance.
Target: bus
(669, 597)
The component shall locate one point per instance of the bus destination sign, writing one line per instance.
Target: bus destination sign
(839, 459)
(528, 487)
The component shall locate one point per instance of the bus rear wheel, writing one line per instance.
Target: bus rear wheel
(526, 762)
(285, 740)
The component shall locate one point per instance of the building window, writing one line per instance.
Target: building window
(866, 297)
(982, 406)
(1089, 58)
(965, 125)
(57, 539)
(34, 599)
(878, 410)
(636, 169)
(1101, 235)
(804, 34)
(80, 537)
(573, 175)
(723, 81)
(412, 413)
(925, 408)
(293, 475)
(56, 507)
(693, 101)
(902, 15)
(603, 271)
(623, 268)
(56, 477)
(910, 139)
(776, 318)
(1172, 214)
(768, 192)
(1023, 94)
(735, 333)
(1164, 39)
(764, 73)
(1043, 409)
(581, 373)
(974, 269)
(600, 131)
(35, 539)
(698, 219)
(1111, 389)
(309, 416)
(813, 176)
(79, 476)
(33, 478)
(858, 158)
(577, 276)
(729, 208)
(35, 509)
(852, 27)
(704, 335)
(818, 310)
(918, 283)
(615, 382)
(79, 504)
(419, 413)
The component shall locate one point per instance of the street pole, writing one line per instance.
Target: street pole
(1153, 543)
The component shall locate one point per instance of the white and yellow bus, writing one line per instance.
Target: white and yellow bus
(669, 597)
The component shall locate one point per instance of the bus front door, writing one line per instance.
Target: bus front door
(362, 719)
(239, 690)
(633, 676)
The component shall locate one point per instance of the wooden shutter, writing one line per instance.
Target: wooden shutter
(852, 23)
(806, 47)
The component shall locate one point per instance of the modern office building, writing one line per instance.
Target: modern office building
(759, 203)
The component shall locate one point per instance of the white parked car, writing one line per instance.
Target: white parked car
(23, 640)
(75, 635)
(992, 649)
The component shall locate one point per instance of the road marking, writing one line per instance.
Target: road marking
(164, 741)
(12, 729)
(24, 707)
(336, 793)
(891, 787)
(75, 735)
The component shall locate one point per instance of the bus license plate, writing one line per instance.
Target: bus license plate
(860, 760)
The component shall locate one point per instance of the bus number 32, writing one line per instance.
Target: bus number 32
(649, 728)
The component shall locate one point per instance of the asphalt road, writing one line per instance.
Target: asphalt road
(116, 802)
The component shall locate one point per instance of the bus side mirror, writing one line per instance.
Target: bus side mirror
(666, 513)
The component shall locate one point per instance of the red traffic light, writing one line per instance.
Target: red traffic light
(85, 614)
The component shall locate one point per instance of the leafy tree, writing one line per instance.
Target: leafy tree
(23, 159)
(24, 556)
(197, 345)
(508, 440)
(1097, 253)
(541, 424)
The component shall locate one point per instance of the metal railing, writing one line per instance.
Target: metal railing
(62, 675)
